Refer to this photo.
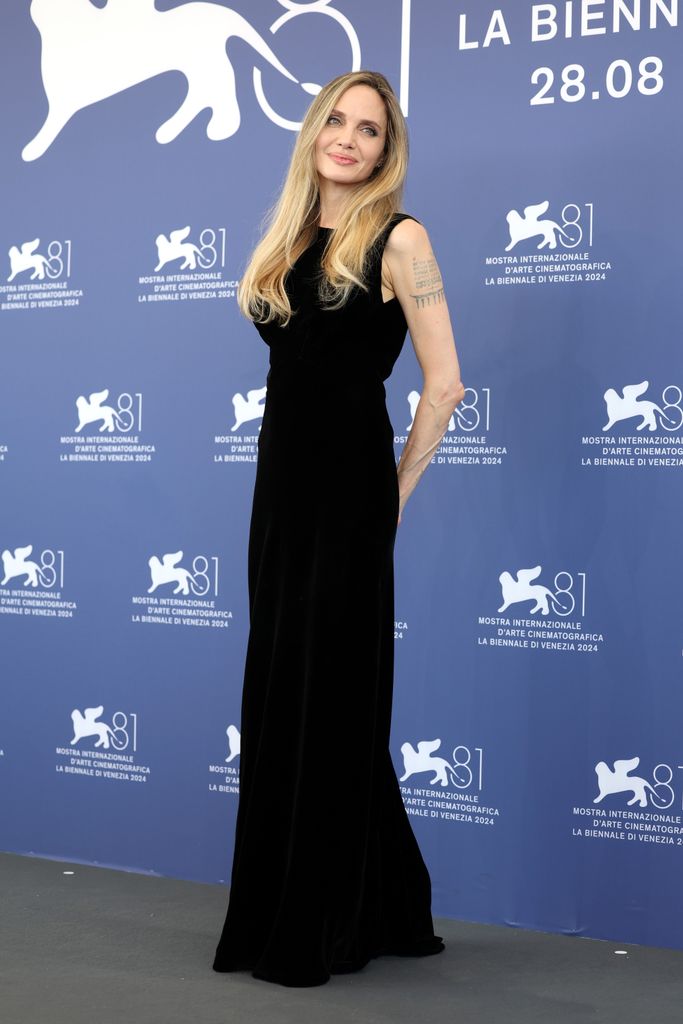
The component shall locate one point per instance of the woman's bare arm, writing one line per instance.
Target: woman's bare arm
(413, 274)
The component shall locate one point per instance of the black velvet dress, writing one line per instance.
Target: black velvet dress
(327, 872)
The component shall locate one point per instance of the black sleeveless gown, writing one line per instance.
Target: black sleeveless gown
(327, 872)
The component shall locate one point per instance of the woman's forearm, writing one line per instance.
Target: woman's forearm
(425, 436)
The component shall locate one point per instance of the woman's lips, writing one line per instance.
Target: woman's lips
(342, 159)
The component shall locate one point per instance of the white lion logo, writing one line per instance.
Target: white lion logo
(519, 589)
(16, 565)
(234, 741)
(249, 408)
(623, 407)
(528, 226)
(168, 571)
(85, 725)
(619, 781)
(27, 258)
(90, 410)
(176, 248)
(91, 53)
(421, 760)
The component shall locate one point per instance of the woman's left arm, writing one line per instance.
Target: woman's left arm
(416, 281)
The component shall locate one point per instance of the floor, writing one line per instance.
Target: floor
(104, 947)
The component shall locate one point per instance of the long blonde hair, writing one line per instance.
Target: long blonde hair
(292, 222)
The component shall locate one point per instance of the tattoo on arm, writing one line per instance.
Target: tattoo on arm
(429, 298)
(426, 273)
(427, 276)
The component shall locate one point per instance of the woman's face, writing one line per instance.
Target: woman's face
(352, 142)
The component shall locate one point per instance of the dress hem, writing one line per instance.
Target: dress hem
(426, 947)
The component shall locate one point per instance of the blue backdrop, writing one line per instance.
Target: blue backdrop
(539, 630)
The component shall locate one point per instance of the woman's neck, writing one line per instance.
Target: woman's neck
(332, 198)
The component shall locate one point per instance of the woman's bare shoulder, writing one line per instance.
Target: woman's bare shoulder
(406, 236)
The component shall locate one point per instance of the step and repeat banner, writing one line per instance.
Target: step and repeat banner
(537, 727)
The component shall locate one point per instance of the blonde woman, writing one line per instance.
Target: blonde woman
(327, 873)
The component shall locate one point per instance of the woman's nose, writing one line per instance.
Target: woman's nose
(345, 136)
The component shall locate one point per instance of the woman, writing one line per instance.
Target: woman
(327, 872)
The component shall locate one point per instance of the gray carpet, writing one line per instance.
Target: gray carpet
(110, 947)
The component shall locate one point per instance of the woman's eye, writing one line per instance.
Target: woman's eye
(368, 128)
